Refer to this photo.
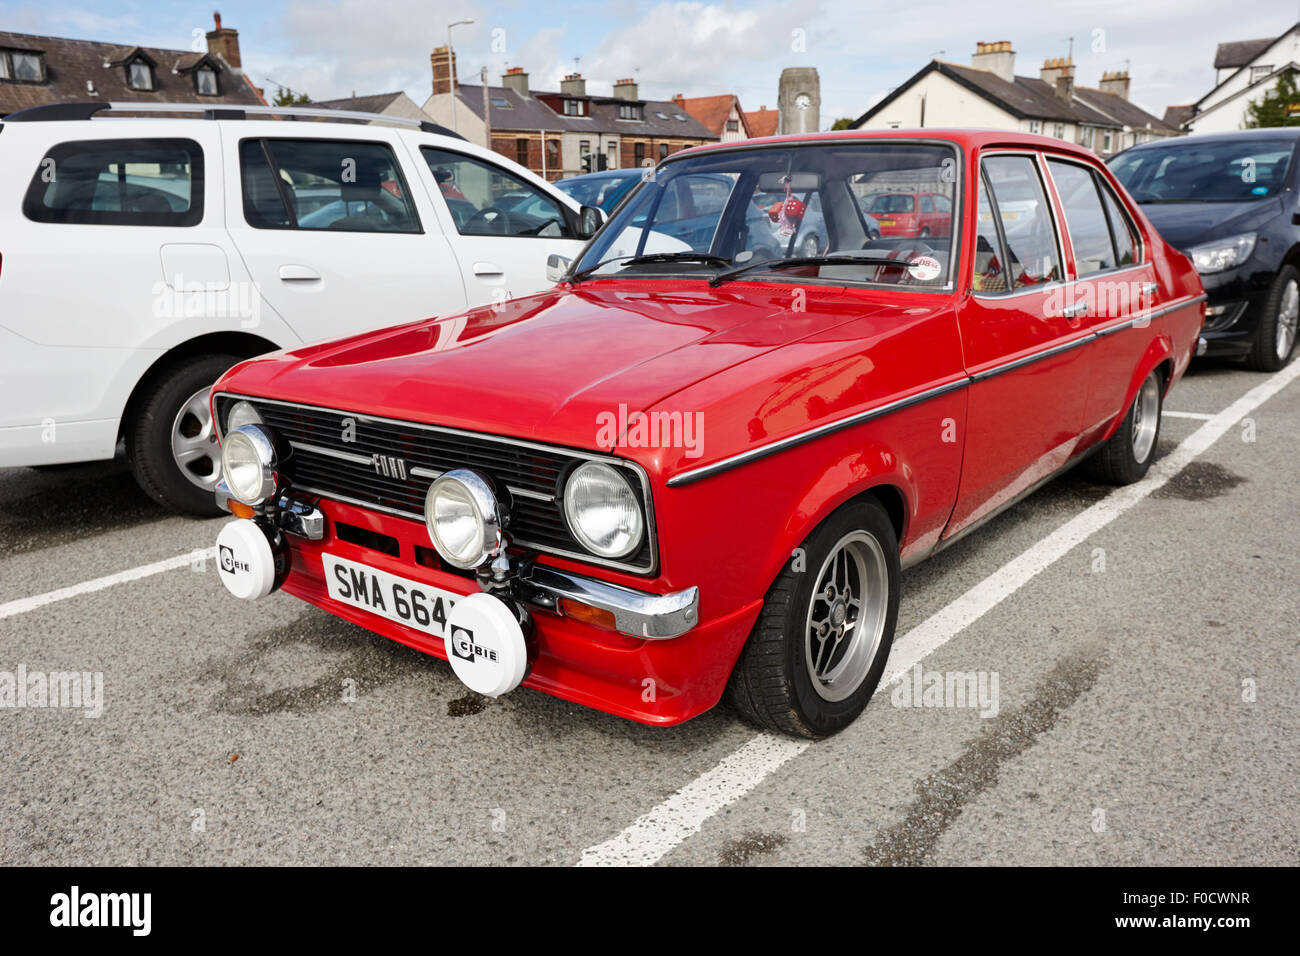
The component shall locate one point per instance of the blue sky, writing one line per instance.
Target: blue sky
(331, 48)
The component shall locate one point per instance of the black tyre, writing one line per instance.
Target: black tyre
(1276, 335)
(819, 647)
(170, 440)
(1126, 456)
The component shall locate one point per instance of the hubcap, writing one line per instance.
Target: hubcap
(846, 617)
(194, 443)
(1146, 418)
(1288, 317)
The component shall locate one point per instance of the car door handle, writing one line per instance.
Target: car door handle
(298, 274)
(1150, 288)
(488, 269)
(1076, 309)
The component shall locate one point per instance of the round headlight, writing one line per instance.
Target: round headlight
(242, 413)
(602, 511)
(248, 462)
(463, 518)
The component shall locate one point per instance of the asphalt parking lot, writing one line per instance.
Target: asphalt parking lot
(1143, 642)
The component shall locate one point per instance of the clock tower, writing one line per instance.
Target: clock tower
(799, 99)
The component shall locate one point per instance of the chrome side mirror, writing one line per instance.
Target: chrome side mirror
(556, 267)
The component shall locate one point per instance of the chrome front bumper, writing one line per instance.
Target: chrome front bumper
(652, 617)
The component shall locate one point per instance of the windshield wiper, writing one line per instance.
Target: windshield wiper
(833, 260)
(702, 257)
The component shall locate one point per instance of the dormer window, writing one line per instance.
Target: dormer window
(139, 75)
(25, 66)
(205, 81)
(629, 111)
(572, 107)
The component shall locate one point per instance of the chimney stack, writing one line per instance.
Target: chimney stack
(573, 85)
(625, 90)
(443, 60)
(516, 79)
(996, 57)
(1116, 83)
(224, 42)
(1059, 74)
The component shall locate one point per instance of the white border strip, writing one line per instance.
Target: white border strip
(655, 834)
(23, 605)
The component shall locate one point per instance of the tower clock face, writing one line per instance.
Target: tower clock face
(803, 101)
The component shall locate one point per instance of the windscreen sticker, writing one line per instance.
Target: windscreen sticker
(924, 268)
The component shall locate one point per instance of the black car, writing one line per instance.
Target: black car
(1229, 202)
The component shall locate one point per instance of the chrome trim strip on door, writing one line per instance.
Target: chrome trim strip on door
(1021, 362)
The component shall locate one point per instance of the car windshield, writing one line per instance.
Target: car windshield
(722, 209)
(1191, 171)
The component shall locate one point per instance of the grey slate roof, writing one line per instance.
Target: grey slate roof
(375, 103)
(69, 64)
(1239, 52)
(1121, 110)
(530, 113)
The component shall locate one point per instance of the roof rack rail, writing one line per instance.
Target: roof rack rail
(65, 112)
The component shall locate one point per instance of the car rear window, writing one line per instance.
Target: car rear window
(119, 182)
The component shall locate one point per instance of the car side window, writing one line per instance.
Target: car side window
(927, 205)
(119, 182)
(1121, 228)
(485, 200)
(989, 275)
(1026, 219)
(943, 204)
(1085, 217)
(339, 185)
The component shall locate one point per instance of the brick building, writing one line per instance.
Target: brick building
(41, 70)
(564, 132)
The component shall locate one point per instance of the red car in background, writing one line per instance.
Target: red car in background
(911, 214)
(697, 467)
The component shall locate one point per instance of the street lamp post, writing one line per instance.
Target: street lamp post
(451, 67)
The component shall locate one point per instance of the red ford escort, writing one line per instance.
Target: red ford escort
(695, 467)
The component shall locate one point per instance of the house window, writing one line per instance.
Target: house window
(1085, 137)
(205, 81)
(638, 153)
(733, 126)
(521, 152)
(501, 103)
(1106, 141)
(629, 111)
(1259, 72)
(139, 75)
(1035, 126)
(663, 150)
(553, 153)
(572, 107)
(1059, 131)
(21, 65)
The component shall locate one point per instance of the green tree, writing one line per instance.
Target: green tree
(1279, 108)
(844, 123)
(285, 97)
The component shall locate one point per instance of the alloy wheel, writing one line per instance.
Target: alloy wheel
(846, 616)
(194, 442)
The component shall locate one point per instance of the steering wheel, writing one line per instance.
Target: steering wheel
(490, 220)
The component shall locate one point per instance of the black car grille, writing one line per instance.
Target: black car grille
(325, 464)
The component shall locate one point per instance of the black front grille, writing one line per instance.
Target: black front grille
(332, 457)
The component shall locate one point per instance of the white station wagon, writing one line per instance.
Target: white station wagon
(143, 256)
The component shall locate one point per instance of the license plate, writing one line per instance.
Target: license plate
(887, 222)
(408, 602)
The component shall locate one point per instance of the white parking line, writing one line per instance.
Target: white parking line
(1199, 416)
(683, 814)
(23, 605)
